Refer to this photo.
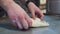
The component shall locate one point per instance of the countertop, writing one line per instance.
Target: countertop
(53, 28)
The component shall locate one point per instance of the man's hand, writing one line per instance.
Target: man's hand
(18, 16)
(35, 10)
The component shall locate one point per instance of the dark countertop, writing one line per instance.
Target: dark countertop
(54, 28)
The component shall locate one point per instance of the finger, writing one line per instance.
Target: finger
(24, 24)
(28, 19)
(40, 14)
(14, 23)
(33, 14)
(18, 23)
(41, 17)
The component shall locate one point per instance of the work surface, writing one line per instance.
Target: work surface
(54, 28)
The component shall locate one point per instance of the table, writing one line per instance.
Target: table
(53, 28)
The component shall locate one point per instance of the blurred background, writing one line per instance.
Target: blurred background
(48, 7)
(40, 3)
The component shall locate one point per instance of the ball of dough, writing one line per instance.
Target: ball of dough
(37, 23)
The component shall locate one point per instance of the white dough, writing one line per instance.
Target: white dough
(37, 23)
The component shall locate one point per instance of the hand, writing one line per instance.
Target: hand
(18, 16)
(35, 10)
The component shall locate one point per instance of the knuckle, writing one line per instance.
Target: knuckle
(21, 17)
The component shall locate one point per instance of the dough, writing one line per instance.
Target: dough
(38, 23)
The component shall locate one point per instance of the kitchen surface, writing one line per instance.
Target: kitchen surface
(53, 28)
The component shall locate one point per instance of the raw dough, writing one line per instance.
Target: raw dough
(37, 23)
